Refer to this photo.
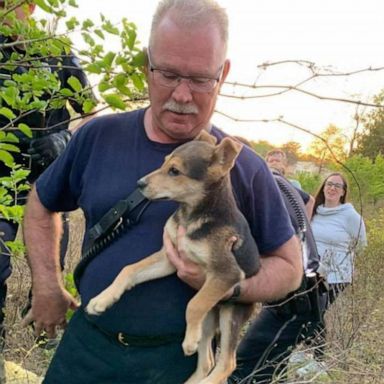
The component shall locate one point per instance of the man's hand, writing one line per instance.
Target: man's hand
(188, 271)
(45, 149)
(49, 310)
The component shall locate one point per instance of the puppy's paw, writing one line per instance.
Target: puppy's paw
(98, 305)
(190, 347)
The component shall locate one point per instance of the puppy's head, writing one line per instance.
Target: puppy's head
(189, 172)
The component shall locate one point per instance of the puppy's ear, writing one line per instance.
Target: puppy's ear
(205, 136)
(225, 154)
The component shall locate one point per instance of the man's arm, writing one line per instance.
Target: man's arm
(281, 271)
(309, 207)
(50, 300)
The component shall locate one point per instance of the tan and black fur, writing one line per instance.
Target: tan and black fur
(217, 237)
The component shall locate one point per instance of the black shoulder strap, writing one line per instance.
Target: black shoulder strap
(112, 217)
(111, 226)
(296, 209)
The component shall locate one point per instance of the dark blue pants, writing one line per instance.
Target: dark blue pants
(263, 352)
(86, 355)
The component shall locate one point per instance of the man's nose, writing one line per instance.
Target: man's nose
(182, 93)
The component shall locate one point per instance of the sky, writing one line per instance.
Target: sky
(337, 35)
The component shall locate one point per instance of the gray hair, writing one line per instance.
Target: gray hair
(192, 13)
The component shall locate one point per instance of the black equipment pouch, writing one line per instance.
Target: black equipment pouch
(305, 300)
(314, 281)
(122, 216)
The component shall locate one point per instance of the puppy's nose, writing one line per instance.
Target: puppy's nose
(142, 183)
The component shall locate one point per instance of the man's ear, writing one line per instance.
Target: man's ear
(226, 68)
(225, 154)
(145, 68)
(205, 136)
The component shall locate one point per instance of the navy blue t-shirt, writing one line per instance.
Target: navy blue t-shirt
(100, 166)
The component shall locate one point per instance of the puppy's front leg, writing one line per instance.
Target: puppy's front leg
(152, 267)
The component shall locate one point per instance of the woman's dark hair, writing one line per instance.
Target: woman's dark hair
(320, 198)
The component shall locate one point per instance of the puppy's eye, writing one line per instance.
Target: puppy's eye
(173, 171)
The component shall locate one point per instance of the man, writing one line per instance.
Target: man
(50, 127)
(138, 340)
(280, 326)
(277, 159)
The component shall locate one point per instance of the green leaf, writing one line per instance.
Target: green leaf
(137, 81)
(6, 158)
(93, 68)
(139, 60)
(88, 39)
(120, 79)
(108, 59)
(104, 86)
(74, 82)
(88, 106)
(108, 27)
(66, 92)
(45, 7)
(72, 23)
(99, 33)
(10, 138)
(87, 24)
(8, 113)
(131, 39)
(115, 101)
(9, 147)
(25, 130)
(10, 94)
(54, 3)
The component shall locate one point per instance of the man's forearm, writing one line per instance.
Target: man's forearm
(279, 274)
(42, 233)
(309, 207)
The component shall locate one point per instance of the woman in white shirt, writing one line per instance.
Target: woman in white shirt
(338, 230)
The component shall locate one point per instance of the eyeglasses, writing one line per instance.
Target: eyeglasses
(329, 184)
(171, 79)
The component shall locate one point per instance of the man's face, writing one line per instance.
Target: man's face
(276, 161)
(180, 113)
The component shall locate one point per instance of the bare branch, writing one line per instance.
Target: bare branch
(316, 73)
(287, 88)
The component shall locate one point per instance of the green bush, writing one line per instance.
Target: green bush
(309, 182)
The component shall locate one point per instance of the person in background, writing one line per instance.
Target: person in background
(50, 128)
(138, 339)
(339, 231)
(280, 326)
(276, 159)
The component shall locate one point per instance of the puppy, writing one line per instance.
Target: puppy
(217, 237)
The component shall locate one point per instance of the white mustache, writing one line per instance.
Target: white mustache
(173, 106)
